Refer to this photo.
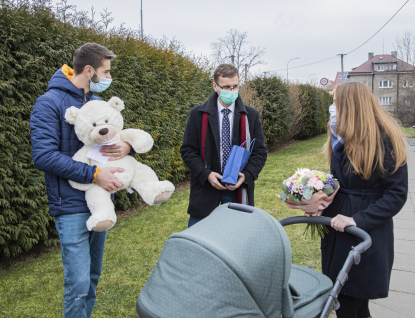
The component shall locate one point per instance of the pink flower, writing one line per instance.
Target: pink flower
(315, 183)
(310, 175)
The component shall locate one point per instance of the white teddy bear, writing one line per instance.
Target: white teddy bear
(99, 122)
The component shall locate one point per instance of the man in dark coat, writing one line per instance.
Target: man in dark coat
(224, 107)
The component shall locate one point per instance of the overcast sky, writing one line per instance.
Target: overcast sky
(313, 30)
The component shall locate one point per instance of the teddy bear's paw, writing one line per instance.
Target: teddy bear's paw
(162, 197)
(103, 226)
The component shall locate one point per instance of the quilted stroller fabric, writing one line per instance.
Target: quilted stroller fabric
(232, 264)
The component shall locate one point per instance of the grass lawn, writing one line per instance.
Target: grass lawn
(35, 288)
(409, 132)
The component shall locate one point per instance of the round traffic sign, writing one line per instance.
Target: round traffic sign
(324, 81)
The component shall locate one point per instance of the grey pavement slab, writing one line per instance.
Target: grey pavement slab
(405, 247)
(404, 282)
(404, 262)
(404, 223)
(404, 234)
(395, 306)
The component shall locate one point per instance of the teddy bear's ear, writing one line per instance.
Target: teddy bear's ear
(70, 114)
(116, 103)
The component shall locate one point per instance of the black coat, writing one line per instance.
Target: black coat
(203, 197)
(372, 210)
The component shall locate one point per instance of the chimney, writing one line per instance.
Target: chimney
(394, 54)
(371, 54)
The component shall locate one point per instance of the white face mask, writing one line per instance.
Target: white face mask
(333, 113)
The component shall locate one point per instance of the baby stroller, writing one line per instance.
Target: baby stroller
(237, 263)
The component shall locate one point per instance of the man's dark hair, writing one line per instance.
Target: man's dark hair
(90, 54)
(225, 70)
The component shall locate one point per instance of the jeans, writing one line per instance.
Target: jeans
(224, 197)
(82, 257)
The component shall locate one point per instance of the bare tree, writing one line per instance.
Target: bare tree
(63, 10)
(106, 18)
(405, 48)
(235, 44)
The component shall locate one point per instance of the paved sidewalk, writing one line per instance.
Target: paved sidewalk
(401, 300)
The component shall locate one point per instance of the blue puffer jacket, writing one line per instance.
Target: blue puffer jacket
(54, 142)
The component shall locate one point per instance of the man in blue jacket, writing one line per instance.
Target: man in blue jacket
(54, 142)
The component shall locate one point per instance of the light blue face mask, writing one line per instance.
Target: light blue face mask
(101, 86)
(228, 97)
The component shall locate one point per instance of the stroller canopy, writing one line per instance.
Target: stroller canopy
(230, 264)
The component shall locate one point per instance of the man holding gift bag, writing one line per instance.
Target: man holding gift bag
(212, 129)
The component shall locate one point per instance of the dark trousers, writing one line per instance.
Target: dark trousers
(224, 197)
(351, 307)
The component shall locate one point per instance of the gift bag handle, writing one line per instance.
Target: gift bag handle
(252, 145)
(242, 144)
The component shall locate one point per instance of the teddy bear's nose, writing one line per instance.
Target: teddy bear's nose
(103, 131)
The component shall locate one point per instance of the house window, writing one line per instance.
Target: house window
(407, 84)
(390, 67)
(385, 100)
(381, 67)
(385, 84)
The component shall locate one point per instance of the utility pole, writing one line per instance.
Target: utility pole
(141, 13)
(233, 59)
(341, 58)
(289, 62)
(246, 72)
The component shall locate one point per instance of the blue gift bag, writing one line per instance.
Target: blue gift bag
(237, 161)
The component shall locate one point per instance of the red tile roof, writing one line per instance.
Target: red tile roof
(367, 67)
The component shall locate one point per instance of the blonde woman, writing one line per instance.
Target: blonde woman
(367, 155)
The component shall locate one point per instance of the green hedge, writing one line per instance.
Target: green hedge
(276, 114)
(288, 111)
(158, 85)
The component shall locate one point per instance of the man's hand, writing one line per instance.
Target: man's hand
(241, 179)
(340, 222)
(106, 180)
(213, 179)
(116, 151)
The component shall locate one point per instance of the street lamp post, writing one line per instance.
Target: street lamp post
(141, 14)
(289, 62)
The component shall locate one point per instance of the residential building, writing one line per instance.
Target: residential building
(390, 79)
(339, 79)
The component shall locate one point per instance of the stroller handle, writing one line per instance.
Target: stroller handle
(352, 258)
(361, 234)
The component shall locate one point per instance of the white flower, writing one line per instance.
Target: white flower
(302, 171)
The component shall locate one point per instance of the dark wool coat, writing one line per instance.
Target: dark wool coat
(203, 197)
(372, 204)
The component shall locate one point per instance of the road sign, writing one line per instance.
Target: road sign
(324, 81)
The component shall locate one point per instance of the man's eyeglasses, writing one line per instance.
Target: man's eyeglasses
(229, 88)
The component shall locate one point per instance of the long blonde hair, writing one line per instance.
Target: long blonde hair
(363, 124)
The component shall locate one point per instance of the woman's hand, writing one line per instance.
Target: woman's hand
(340, 222)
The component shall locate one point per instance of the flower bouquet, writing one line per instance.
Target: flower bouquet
(311, 191)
